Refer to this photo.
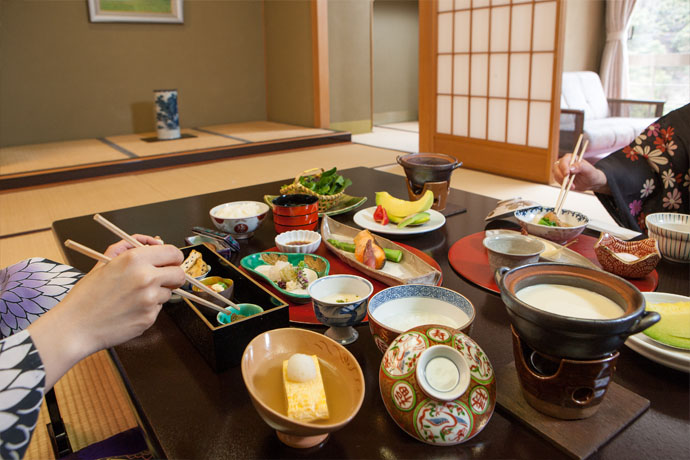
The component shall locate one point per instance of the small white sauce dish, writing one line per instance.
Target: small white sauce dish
(298, 241)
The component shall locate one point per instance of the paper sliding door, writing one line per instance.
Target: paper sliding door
(490, 82)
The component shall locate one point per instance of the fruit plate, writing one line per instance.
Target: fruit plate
(672, 357)
(252, 261)
(365, 219)
(411, 270)
(348, 203)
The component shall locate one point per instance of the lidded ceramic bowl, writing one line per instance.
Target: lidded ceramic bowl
(629, 259)
(572, 335)
(438, 385)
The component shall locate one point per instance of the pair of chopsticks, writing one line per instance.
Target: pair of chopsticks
(568, 181)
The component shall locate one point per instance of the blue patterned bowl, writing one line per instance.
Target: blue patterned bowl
(340, 301)
(528, 218)
(672, 232)
(397, 309)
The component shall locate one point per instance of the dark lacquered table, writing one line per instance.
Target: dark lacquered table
(189, 411)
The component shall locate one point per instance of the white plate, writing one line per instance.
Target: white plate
(666, 356)
(365, 219)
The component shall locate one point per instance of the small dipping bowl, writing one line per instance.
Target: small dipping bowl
(512, 250)
(396, 309)
(243, 224)
(340, 316)
(210, 281)
(672, 231)
(295, 212)
(246, 309)
(629, 259)
(298, 241)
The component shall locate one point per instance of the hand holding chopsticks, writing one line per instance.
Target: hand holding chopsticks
(134, 242)
(103, 258)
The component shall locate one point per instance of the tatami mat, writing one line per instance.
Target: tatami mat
(136, 144)
(411, 126)
(262, 131)
(23, 158)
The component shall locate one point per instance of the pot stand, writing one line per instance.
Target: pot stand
(441, 190)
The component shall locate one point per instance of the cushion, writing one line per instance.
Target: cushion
(583, 91)
(611, 134)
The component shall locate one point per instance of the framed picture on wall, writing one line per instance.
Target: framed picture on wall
(136, 11)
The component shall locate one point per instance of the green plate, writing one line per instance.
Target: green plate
(252, 261)
(348, 204)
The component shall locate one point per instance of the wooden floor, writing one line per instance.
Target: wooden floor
(95, 406)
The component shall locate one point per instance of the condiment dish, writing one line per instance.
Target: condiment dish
(629, 259)
(299, 241)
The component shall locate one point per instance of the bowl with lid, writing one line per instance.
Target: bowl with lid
(438, 385)
(571, 311)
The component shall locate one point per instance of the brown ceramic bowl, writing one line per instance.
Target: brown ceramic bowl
(569, 336)
(629, 259)
(262, 373)
(399, 308)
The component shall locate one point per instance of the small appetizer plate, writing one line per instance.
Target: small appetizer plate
(253, 261)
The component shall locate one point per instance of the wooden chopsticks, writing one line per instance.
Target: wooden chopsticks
(103, 258)
(568, 181)
(134, 242)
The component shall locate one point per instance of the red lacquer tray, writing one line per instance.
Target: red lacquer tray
(303, 313)
(469, 258)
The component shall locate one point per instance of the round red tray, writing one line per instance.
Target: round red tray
(303, 313)
(469, 258)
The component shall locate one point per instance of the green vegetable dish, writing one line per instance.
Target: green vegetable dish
(328, 183)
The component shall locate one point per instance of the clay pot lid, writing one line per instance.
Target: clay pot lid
(460, 401)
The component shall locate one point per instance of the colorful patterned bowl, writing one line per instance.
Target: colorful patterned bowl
(629, 259)
(399, 308)
(528, 218)
(672, 231)
(239, 227)
(438, 385)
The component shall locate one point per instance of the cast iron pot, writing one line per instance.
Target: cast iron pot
(566, 336)
(428, 167)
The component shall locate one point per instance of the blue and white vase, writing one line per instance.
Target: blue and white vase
(167, 116)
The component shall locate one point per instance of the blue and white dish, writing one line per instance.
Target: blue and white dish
(340, 315)
(397, 309)
(528, 218)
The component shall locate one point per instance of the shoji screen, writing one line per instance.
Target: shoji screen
(490, 83)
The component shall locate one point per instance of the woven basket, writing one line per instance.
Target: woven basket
(326, 202)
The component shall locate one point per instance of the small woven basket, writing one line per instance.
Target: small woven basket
(326, 202)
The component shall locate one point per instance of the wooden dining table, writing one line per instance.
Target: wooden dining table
(189, 411)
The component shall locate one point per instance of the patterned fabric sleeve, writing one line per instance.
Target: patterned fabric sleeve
(22, 383)
(652, 174)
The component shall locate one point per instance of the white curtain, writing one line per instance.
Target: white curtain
(614, 61)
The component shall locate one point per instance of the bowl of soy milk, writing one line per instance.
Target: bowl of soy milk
(397, 309)
(571, 311)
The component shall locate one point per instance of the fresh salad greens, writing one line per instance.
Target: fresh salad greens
(547, 222)
(328, 183)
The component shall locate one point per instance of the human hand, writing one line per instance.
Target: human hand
(110, 305)
(588, 177)
(121, 246)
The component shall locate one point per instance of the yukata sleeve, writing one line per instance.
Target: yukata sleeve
(22, 385)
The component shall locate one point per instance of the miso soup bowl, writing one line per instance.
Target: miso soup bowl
(568, 336)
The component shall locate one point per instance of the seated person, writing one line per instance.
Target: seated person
(114, 302)
(650, 175)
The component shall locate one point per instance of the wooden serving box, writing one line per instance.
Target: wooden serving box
(222, 345)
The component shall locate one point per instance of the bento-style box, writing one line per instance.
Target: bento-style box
(222, 345)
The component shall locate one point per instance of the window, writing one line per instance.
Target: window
(659, 52)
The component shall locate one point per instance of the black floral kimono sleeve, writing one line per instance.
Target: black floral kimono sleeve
(652, 174)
